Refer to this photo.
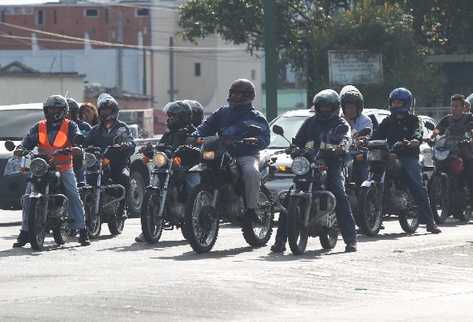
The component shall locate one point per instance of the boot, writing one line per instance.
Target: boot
(433, 228)
(84, 237)
(22, 240)
(140, 238)
(351, 247)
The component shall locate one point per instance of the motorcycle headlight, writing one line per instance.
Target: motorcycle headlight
(160, 159)
(90, 160)
(13, 166)
(300, 166)
(208, 155)
(39, 167)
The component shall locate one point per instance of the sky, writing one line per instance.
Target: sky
(8, 2)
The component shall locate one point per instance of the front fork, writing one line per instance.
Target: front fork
(164, 190)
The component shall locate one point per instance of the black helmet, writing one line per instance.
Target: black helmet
(179, 114)
(73, 109)
(55, 101)
(330, 98)
(106, 101)
(245, 88)
(351, 95)
(197, 112)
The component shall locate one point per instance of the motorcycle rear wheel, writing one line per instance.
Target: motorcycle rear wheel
(92, 220)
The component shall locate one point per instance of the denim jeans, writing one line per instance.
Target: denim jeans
(411, 171)
(76, 209)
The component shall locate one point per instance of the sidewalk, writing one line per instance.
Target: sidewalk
(10, 218)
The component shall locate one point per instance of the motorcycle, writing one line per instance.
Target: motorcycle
(448, 191)
(385, 192)
(311, 207)
(48, 206)
(165, 198)
(220, 197)
(104, 200)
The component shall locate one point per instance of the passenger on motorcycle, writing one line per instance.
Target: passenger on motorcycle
(352, 105)
(313, 132)
(232, 122)
(402, 126)
(110, 131)
(183, 117)
(53, 133)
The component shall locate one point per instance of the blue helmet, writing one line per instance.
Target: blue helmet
(405, 96)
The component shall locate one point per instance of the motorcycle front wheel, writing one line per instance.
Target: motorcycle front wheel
(297, 233)
(329, 238)
(257, 233)
(37, 223)
(371, 211)
(92, 220)
(408, 217)
(151, 223)
(439, 198)
(117, 222)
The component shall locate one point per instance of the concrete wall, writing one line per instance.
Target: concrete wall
(19, 89)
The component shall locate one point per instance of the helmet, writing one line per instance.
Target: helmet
(405, 96)
(55, 101)
(73, 108)
(469, 99)
(103, 102)
(197, 112)
(179, 114)
(330, 98)
(351, 95)
(245, 88)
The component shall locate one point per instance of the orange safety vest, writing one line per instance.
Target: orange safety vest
(63, 161)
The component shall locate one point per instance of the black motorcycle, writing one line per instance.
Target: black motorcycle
(48, 206)
(220, 197)
(165, 198)
(449, 193)
(104, 200)
(385, 191)
(310, 206)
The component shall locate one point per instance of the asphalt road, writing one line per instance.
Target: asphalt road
(394, 277)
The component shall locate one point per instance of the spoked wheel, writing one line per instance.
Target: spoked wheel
(117, 222)
(258, 232)
(37, 223)
(151, 223)
(329, 238)
(371, 211)
(439, 198)
(92, 220)
(408, 217)
(201, 221)
(297, 233)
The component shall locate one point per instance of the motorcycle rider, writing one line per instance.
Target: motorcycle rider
(315, 130)
(49, 135)
(402, 126)
(112, 132)
(232, 122)
(352, 106)
(182, 120)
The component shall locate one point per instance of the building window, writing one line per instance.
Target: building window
(91, 12)
(253, 74)
(40, 18)
(142, 12)
(197, 70)
(55, 17)
(106, 16)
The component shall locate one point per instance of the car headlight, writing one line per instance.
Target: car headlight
(39, 167)
(13, 166)
(90, 160)
(208, 155)
(160, 159)
(300, 166)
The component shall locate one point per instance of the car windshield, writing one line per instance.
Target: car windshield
(290, 125)
(14, 124)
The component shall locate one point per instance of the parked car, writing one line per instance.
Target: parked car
(291, 122)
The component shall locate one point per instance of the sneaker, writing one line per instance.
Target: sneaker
(351, 247)
(22, 240)
(278, 248)
(433, 228)
(84, 237)
(140, 238)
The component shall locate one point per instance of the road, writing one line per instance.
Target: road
(394, 277)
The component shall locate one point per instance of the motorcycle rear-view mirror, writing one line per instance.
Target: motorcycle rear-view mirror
(278, 130)
(9, 145)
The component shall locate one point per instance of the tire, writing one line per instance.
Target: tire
(137, 193)
(258, 234)
(37, 224)
(59, 234)
(439, 198)
(117, 222)
(92, 220)
(296, 233)
(201, 223)
(408, 218)
(151, 225)
(329, 239)
(370, 216)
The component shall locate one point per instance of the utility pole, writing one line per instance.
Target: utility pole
(120, 52)
(171, 69)
(271, 61)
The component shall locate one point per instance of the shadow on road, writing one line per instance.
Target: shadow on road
(145, 246)
(212, 255)
(289, 257)
(28, 251)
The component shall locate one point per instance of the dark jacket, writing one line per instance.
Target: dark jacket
(31, 139)
(449, 126)
(394, 130)
(99, 136)
(84, 127)
(175, 138)
(232, 123)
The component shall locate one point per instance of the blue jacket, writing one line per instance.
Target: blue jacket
(233, 122)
